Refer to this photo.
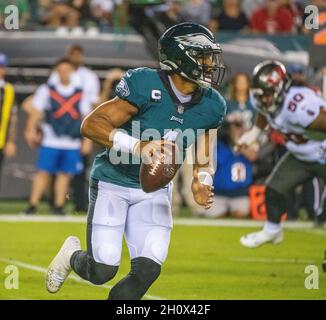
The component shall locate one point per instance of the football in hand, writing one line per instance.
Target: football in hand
(162, 168)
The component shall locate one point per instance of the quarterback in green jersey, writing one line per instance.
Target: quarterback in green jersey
(151, 106)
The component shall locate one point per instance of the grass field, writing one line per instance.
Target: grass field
(204, 262)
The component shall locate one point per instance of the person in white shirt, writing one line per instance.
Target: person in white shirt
(299, 114)
(55, 116)
(91, 88)
(89, 79)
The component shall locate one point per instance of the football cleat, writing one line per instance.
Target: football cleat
(60, 268)
(256, 239)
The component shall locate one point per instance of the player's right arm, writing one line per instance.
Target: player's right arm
(101, 127)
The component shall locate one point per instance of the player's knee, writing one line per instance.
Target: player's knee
(156, 247)
(145, 269)
(159, 252)
(108, 254)
(101, 273)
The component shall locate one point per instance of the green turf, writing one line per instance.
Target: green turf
(203, 263)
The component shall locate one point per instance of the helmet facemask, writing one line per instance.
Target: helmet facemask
(209, 69)
(265, 100)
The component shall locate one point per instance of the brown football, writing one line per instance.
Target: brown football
(162, 170)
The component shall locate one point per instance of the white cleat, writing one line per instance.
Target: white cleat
(256, 239)
(60, 268)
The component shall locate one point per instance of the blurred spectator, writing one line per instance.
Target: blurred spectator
(62, 13)
(83, 7)
(238, 101)
(272, 18)
(121, 18)
(102, 10)
(173, 15)
(198, 11)
(233, 175)
(297, 73)
(58, 108)
(166, 15)
(231, 18)
(8, 114)
(296, 7)
(250, 6)
(23, 10)
(112, 78)
(91, 91)
(90, 81)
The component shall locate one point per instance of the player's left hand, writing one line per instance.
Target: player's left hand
(203, 194)
(10, 149)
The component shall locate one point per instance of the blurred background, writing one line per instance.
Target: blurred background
(104, 38)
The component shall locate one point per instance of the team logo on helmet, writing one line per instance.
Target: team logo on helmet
(199, 40)
(275, 77)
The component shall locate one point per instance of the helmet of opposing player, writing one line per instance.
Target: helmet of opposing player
(270, 83)
(190, 50)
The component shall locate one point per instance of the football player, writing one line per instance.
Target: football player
(178, 96)
(299, 114)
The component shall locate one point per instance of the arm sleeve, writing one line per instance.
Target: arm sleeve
(41, 98)
(130, 88)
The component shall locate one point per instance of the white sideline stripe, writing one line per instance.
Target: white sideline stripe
(71, 276)
(277, 260)
(177, 221)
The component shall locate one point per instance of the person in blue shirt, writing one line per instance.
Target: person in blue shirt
(234, 173)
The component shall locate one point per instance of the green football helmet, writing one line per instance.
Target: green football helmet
(190, 50)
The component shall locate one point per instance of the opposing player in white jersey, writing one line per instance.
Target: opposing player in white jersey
(299, 114)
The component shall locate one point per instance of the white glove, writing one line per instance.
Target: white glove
(248, 138)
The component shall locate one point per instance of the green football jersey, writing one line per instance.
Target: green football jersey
(160, 115)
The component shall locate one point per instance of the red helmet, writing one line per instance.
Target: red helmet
(270, 82)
